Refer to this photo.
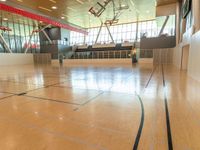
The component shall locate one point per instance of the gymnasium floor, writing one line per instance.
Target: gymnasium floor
(98, 108)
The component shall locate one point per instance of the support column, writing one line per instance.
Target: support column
(5, 44)
(99, 32)
(137, 27)
(164, 24)
(48, 38)
(109, 33)
(29, 41)
(33, 32)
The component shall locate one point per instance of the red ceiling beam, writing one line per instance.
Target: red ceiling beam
(39, 18)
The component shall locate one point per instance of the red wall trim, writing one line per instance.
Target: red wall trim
(39, 18)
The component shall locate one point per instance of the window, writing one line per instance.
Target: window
(18, 38)
(120, 33)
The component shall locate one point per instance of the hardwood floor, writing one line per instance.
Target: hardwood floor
(98, 108)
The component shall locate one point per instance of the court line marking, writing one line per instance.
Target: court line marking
(76, 87)
(99, 90)
(169, 134)
(40, 85)
(54, 100)
(93, 98)
(35, 89)
(77, 122)
(44, 87)
(7, 92)
(78, 104)
(50, 85)
(3, 98)
(20, 82)
(105, 91)
(150, 78)
(139, 133)
(54, 85)
(101, 93)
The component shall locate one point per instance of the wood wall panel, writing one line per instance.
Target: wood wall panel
(42, 58)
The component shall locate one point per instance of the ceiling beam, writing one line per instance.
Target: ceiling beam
(39, 18)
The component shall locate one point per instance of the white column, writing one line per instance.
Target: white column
(5, 44)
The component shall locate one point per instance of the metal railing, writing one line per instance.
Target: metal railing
(102, 55)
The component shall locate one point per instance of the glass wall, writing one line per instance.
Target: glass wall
(124, 32)
(120, 33)
(170, 26)
(16, 31)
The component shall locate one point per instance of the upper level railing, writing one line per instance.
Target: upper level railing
(102, 55)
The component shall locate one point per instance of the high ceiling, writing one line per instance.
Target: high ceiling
(17, 19)
(76, 11)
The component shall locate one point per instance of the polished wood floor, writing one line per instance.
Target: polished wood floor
(98, 108)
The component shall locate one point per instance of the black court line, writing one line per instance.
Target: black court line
(137, 140)
(20, 94)
(75, 87)
(91, 99)
(154, 69)
(51, 85)
(90, 90)
(139, 133)
(6, 97)
(169, 135)
(53, 100)
(20, 82)
(88, 101)
(7, 92)
(35, 89)
(24, 93)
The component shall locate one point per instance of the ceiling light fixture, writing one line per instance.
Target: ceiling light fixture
(79, 1)
(54, 7)
(65, 15)
(52, 1)
(43, 8)
(5, 19)
(71, 8)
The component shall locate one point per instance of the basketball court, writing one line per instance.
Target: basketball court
(115, 75)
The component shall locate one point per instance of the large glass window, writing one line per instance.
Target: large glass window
(125, 32)
(19, 33)
(120, 33)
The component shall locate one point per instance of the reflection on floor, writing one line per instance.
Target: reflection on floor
(97, 108)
